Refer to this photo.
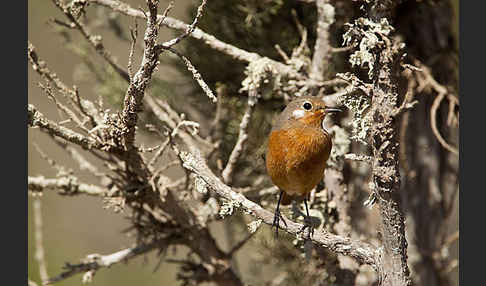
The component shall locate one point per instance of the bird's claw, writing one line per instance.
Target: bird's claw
(307, 224)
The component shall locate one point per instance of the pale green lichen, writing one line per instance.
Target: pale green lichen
(340, 147)
(359, 106)
(368, 36)
(257, 72)
(227, 208)
(254, 225)
(207, 210)
(200, 186)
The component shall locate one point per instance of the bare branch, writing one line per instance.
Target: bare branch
(165, 114)
(37, 119)
(39, 244)
(94, 40)
(132, 104)
(70, 114)
(199, 34)
(134, 35)
(322, 47)
(433, 124)
(189, 29)
(242, 136)
(83, 163)
(85, 106)
(359, 157)
(195, 74)
(157, 155)
(93, 262)
(69, 185)
(240, 244)
(363, 252)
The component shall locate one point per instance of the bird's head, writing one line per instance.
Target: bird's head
(307, 110)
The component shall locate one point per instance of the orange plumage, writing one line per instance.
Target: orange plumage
(298, 148)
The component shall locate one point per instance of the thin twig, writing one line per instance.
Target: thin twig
(157, 155)
(83, 163)
(166, 13)
(39, 244)
(68, 185)
(433, 123)
(95, 41)
(189, 29)
(134, 35)
(240, 244)
(179, 25)
(60, 169)
(242, 137)
(93, 262)
(359, 157)
(47, 89)
(85, 106)
(168, 116)
(195, 74)
(37, 119)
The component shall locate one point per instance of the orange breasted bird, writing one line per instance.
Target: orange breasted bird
(298, 148)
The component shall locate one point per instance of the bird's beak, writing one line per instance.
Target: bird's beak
(331, 110)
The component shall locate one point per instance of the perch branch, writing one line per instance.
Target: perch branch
(361, 251)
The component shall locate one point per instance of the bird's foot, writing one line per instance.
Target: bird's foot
(308, 224)
(276, 221)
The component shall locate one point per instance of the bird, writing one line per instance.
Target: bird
(297, 150)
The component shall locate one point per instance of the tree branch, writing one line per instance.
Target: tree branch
(322, 47)
(94, 40)
(37, 119)
(133, 98)
(93, 262)
(242, 136)
(69, 186)
(361, 251)
(39, 244)
(199, 34)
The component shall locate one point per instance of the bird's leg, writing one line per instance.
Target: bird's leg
(307, 220)
(277, 216)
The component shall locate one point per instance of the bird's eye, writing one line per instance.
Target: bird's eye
(307, 106)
